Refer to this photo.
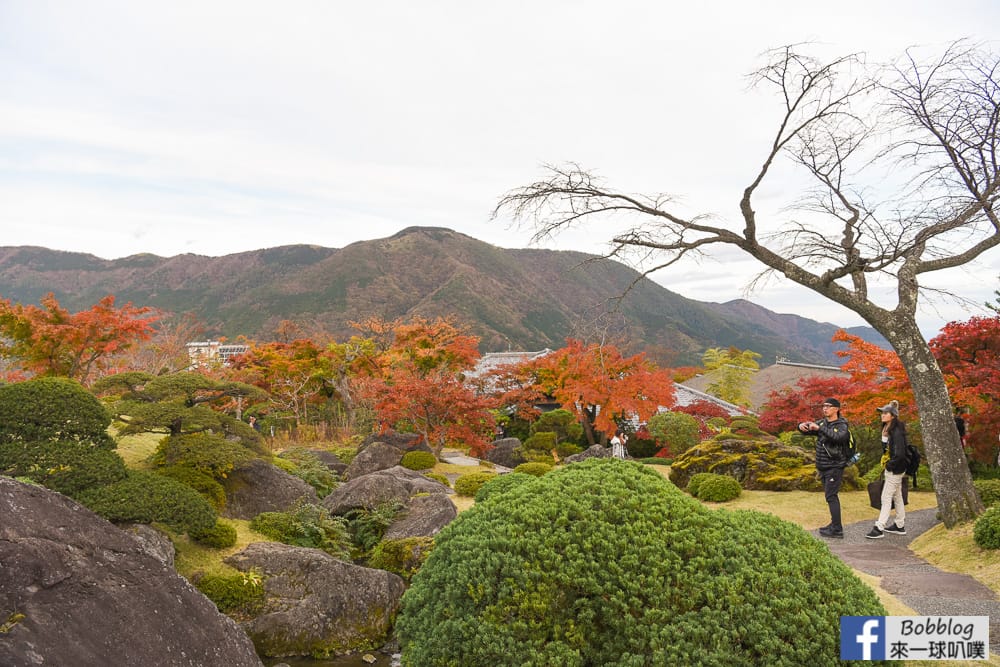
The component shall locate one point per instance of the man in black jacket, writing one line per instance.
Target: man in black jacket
(832, 437)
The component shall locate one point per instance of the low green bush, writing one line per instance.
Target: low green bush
(677, 430)
(987, 530)
(207, 453)
(212, 491)
(366, 527)
(145, 497)
(53, 409)
(468, 484)
(607, 563)
(656, 461)
(305, 525)
(67, 467)
(500, 484)
(719, 489)
(418, 460)
(220, 536)
(438, 477)
(237, 595)
(534, 469)
(403, 557)
(695, 482)
(308, 467)
(989, 490)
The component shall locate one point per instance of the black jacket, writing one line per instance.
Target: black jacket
(831, 443)
(897, 449)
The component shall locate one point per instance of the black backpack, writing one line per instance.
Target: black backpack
(912, 460)
(851, 454)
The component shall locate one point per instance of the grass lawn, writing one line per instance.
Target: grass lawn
(136, 449)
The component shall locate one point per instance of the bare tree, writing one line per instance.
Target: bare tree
(926, 129)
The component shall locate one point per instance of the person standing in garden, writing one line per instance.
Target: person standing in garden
(832, 438)
(618, 450)
(894, 458)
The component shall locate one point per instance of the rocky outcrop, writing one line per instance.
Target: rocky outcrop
(153, 542)
(316, 604)
(260, 486)
(424, 516)
(330, 460)
(396, 484)
(377, 456)
(76, 590)
(506, 452)
(594, 451)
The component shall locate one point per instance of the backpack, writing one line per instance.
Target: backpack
(851, 451)
(912, 460)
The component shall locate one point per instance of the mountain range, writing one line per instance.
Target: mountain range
(511, 298)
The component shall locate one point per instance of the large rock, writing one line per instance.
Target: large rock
(330, 460)
(316, 604)
(376, 456)
(76, 590)
(396, 484)
(594, 451)
(424, 516)
(260, 486)
(404, 442)
(506, 452)
(153, 542)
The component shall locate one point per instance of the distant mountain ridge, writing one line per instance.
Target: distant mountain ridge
(510, 298)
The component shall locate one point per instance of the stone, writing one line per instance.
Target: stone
(424, 516)
(84, 592)
(377, 456)
(155, 543)
(396, 484)
(260, 486)
(506, 452)
(330, 460)
(594, 451)
(316, 604)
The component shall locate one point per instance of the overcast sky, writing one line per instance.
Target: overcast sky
(216, 127)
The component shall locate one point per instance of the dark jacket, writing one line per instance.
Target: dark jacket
(831, 443)
(897, 449)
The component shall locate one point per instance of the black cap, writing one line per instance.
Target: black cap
(832, 401)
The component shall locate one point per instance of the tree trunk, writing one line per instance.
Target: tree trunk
(956, 496)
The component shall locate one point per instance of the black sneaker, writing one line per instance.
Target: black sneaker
(830, 531)
(898, 530)
(875, 533)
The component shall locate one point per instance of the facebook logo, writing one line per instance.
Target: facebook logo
(862, 638)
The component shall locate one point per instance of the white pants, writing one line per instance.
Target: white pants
(892, 495)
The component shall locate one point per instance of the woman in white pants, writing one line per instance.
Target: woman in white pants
(894, 443)
(618, 445)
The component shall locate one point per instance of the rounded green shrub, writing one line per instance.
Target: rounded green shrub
(719, 489)
(67, 467)
(418, 460)
(210, 454)
(605, 563)
(403, 557)
(220, 536)
(500, 484)
(53, 409)
(145, 497)
(212, 491)
(989, 490)
(438, 477)
(695, 482)
(987, 530)
(305, 525)
(533, 469)
(238, 595)
(678, 430)
(470, 483)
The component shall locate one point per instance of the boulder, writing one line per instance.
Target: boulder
(155, 543)
(506, 452)
(424, 516)
(330, 460)
(374, 457)
(260, 486)
(594, 451)
(404, 442)
(368, 492)
(316, 604)
(76, 590)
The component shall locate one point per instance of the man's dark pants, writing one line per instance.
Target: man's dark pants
(832, 479)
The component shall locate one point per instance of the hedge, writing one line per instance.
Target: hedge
(145, 497)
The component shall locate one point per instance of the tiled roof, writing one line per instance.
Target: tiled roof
(775, 377)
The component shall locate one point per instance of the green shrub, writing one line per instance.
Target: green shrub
(345, 454)
(53, 409)
(207, 453)
(533, 469)
(305, 525)
(403, 557)
(542, 442)
(366, 527)
(987, 530)
(642, 448)
(239, 595)
(656, 461)
(989, 490)
(677, 430)
(220, 536)
(562, 423)
(308, 467)
(719, 489)
(418, 460)
(438, 477)
(469, 483)
(500, 484)
(145, 497)
(67, 467)
(605, 563)
(695, 482)
(210, 489)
